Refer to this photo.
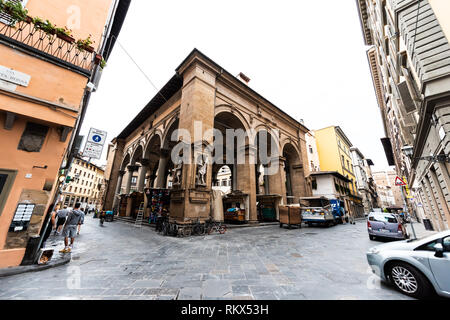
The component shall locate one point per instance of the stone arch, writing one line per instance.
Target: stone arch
(138, 154)
(168, 130)
(125, 161)
(235, 112)
(294, 172)
(290, 141)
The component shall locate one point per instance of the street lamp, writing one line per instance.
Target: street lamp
(409, 151)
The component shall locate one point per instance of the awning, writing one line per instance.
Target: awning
(388, 151)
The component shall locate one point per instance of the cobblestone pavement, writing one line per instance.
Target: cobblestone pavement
(119, 261)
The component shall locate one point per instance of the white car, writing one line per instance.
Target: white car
(418, 267)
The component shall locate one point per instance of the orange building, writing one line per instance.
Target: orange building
(47, 74)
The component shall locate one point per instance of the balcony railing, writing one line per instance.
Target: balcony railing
(27, 36)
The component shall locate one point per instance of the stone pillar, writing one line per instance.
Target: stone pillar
(161, 175)
(189, 200)
(246, 180)
(142, 173)
(277, 181)
(131, 169)
(118, 187)
(298, 181)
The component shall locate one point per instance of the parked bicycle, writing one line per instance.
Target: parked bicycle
(215, 226)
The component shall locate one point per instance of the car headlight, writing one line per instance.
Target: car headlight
(374, 250)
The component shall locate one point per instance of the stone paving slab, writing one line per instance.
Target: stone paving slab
(118, 262)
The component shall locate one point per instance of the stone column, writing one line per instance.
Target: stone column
(277, 181)
(142, 173)
(118, 187)
(246, 180)
(131, 169)
(161, 175)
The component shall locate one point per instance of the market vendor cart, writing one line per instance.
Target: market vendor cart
(290, 215)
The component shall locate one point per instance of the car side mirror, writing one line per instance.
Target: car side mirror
(439, 249)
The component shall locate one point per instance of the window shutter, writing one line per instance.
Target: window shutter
(5, 18)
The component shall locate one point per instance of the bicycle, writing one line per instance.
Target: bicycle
(215, 226)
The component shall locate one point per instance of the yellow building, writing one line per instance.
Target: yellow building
(86, 185)
(333, 147)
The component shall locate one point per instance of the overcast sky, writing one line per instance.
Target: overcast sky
(306, 57)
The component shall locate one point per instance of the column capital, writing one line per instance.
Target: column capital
(122, 172)
(144, 162)
(132, 168)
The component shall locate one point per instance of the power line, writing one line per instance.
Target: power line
(137, 65)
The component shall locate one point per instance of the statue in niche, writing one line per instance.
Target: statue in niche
(178, 170)
(202, 169)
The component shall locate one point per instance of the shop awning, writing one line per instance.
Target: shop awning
(388, 151)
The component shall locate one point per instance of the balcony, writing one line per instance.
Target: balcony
(55, 48)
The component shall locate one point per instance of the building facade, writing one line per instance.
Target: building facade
(389, 195)
(205, 102)
(334, 155)
(329, 184)
(223, 180)
(44, 77)
(86, 187)
(313, 154)
(409, 59)
(364, 179)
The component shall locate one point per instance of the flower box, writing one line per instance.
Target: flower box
(65, 37)
(98, 58)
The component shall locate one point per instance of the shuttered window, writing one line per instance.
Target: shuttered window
(33, 137)
(5, 18)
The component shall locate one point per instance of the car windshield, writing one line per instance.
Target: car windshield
(383, 218)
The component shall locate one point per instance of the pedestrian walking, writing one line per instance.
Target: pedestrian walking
(81, 221)
(61, 216)
(70, 227)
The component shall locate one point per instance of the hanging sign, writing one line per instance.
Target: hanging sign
(94, 145)
(408, 193)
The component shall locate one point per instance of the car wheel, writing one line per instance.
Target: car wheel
(371, 237)
(410, 281)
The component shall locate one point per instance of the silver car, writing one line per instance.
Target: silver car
(385, 225)
(418, 267)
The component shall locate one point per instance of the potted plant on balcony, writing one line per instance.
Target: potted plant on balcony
(15, 10)
(46, 26)
(65, 34)
(98, 58)
(85, 45)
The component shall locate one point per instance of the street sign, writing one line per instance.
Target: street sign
(97, 136)
(94, 144)
(399, 182)
(92, 150)
(408, 193)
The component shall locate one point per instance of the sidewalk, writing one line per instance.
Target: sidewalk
(420, 230)
(58, 259)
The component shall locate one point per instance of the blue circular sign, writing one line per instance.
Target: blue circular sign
(96, 138)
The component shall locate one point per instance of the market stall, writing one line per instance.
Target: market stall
(268, 207)
(235, 207)
(158, 203)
